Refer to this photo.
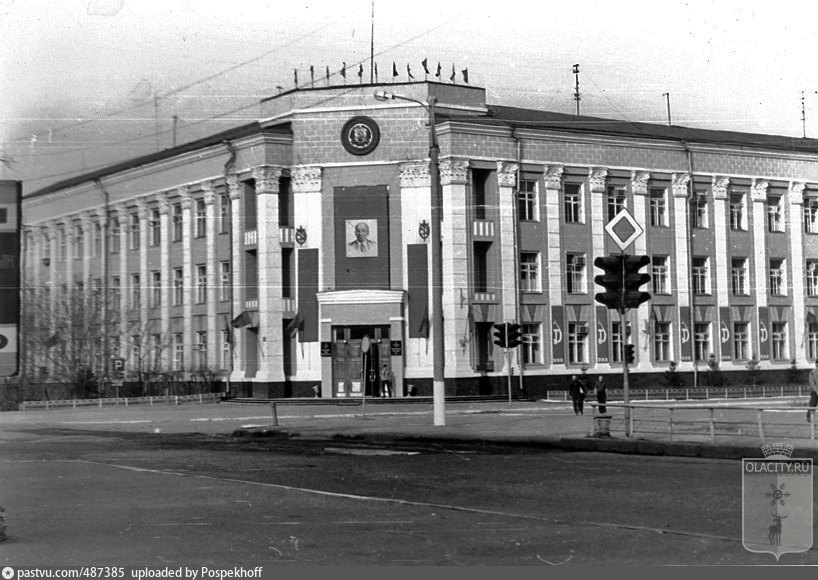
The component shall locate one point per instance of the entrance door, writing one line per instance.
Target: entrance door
(354, 373)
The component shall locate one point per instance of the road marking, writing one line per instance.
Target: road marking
(398, 501)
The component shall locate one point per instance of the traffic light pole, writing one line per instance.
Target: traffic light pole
(625, 386)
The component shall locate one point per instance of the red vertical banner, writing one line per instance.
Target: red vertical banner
(725, 333)
(685, 334)
(763, 333)
(558, 335)
(10, 275)
(602, 335)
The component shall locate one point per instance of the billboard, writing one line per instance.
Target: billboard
(10, 218)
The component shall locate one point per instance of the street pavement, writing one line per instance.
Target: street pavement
(545, 423)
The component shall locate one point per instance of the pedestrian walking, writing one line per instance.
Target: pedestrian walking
(601, 394)
(577, 391)
(813, 391)
(386, 381)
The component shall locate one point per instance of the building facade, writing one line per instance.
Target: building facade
(269, 252)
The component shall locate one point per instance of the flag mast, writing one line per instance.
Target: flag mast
(372, 45)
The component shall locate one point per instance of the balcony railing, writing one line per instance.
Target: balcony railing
(286, 236)
(484, 297)
(483, 229)
(250, 237)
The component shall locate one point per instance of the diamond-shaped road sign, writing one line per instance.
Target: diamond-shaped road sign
(623, 229)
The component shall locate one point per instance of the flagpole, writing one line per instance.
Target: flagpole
(372, 45)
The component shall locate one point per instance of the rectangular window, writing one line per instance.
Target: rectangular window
(201, 284)
(775, 214)
(62, 241)
(701, 341)
(225, 282)
(178, 287)
(738, 213)
(577, 342)
(575, 273)
(178, 352)
(572, 198)
(79, 243)
(661, 275)
(116, 235)
(661, 341)
(658, 207)
(224, 214)
(156, 351)
(779, 341)
(811, 215)
(135, 232)
(225, 349)
(177, 222)
(615, 200)
(97, 239)
(778, 277)
(617, 344)
(156, 289)
(201, 348)
(136, 352)
(812, 340)
(527, 200)
(701, 275)
(741, 341)
(201, 218)
(531, 347)
(530, 272)
(136, 291)
(116, 293)
(739, 277)
(698, 211)
(155, 228)
(812, 277)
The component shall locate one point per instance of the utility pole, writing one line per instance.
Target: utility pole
(667, 98)
(576, 87)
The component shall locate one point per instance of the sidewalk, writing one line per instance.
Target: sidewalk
(544, 424)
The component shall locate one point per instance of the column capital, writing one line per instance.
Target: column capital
(553, 176)
(306, 179)
(454, 171)
(759, 190)
(233, 189)
(639, 182)
(796, 192)
(209, 193)
(414, 175)
(164, 205)
(596, 178)
(680, 181)
(267, 179)
(721, 184)
(507, 174)
(184, 194)
(142, 208)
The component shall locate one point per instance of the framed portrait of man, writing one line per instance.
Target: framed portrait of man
(362, 238)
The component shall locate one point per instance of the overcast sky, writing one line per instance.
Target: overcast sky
(89, 82)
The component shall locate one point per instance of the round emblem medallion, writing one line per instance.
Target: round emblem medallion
(360, 135)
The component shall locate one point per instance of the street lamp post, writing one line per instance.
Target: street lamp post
(438, 384)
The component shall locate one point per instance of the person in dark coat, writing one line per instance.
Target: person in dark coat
(577, 392)
(813, 391)
(601, 394)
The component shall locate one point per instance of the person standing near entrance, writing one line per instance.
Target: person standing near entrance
(813, 391)
(577, 392)
(386, 381)
(601, 394)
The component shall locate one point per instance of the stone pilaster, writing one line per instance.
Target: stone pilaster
(237, 354)
(188, 277)
(795, 227)
(722, 264)
(641, 213)
(270, 292)
(213, 339)
(167, 279)
(680, 261)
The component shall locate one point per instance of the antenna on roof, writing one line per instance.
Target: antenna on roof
(576, 89)
(667, 97)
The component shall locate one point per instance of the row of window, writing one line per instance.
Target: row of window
(576, 275)
(177, 295)
(578, 347)
(134, 230)
(152, 353)
(616, 197)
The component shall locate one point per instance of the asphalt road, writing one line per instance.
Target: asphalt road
(112, 496)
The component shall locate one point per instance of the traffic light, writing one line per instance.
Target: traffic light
(501, 335)
(629, 355)
(612, 281)
(633, 296)
(515, 335)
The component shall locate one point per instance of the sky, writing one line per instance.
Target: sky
(86, 83)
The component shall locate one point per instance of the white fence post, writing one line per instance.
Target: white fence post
(712, 427)
(760, 426)
(670, 426)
